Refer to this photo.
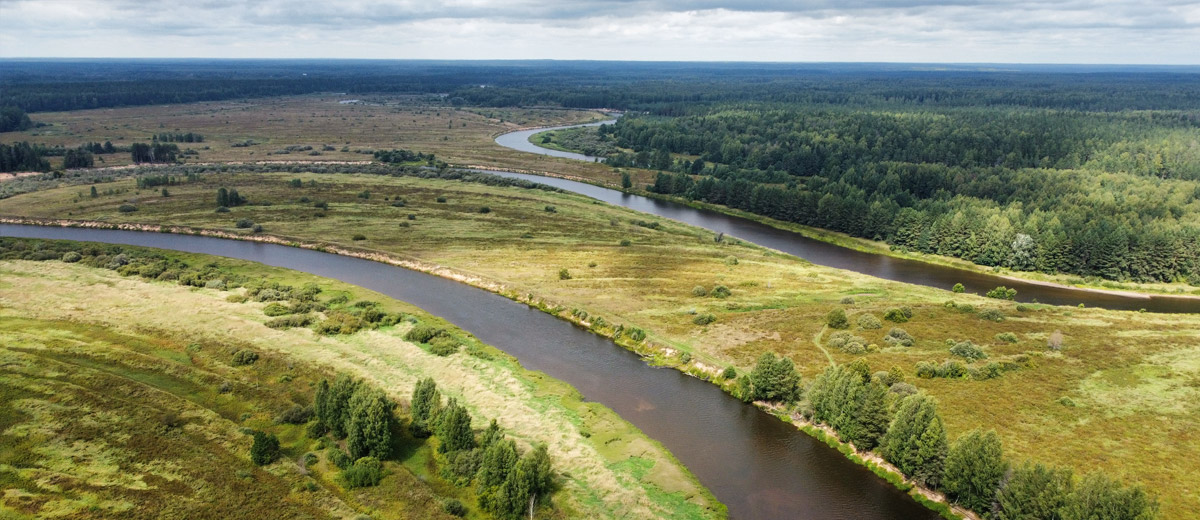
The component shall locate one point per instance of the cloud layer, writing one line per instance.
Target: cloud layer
(999, 31)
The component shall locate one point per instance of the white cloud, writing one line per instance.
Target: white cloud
(1075, 31)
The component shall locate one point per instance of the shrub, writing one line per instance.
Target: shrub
(704, 319)
(366, 472)
(836, 319)
(257, 228)
(453, 506)
(364, 195)
(903, 389)
(316, 430)
(550, 209)
(637, 334)
(729, 373)
(699, 291)
(991, 370)
(265, 448)
(443, 345)
(847, 300)
(952, 369)
(358, 237)
(290, 321)
(127, 208)
(71, 257)
(441, 200)
(731, 260)
(321, 205)
(895, 315)
(1007, 337)
(244, 357)
(899, 336)
(1002, 293)
(626, 243)
(847, 342)
(1055, 341)
(958, 288)
(295, 415)
(869, 322)
(564, 274)
(926, 370)
(276, 309)
(423, 333)
(338, 458)
(721, 292)
(995, 315)
(485, 209)
(244, 223)
(968, 350)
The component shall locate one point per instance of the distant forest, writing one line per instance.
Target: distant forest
(1087, 170)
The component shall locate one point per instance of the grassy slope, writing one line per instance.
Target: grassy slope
(1132, 377)
(76, 355)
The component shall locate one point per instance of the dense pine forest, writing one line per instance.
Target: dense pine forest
(1107, 194)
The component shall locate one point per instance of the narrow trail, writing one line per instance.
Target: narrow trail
(817, 343)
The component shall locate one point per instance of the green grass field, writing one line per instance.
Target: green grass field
(1123, 393)
(113, 408)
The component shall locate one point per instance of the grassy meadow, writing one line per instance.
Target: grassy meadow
(1121, 393)
(120, 400)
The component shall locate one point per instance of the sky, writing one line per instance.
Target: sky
(926, 31)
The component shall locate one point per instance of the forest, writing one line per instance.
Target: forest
(1105, 194)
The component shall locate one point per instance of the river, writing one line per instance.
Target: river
(824, 253)
(757, 465)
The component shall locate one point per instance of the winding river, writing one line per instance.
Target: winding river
(757, 465)
(824, 253)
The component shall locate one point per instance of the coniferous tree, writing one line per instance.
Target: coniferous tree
(369, 429)
(974, 467)
(454, 429)
(1032, 492)
(775, 379)
(223, 198)
(426, 401)
(265, 448)
(1096, 496)
(916, 441)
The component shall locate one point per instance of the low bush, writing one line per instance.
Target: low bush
(869, 322)
(127, 208)
(290, 321)
(1007, 337)
(550, 209)
(485, 209)
(968, 350)
(847, 342)
(1002, 293)
(958, 288)
(898, 336)
(704, 319)
(71, 257)
(443, 345)
(244, 223)
(423, 333)
(729, 373)
(926, 370)
(952, 369)
(995, 315)
(847, 300)
(721, 291)
(895, 315)
(366, 472)
(244, 357)
(564, 274)
(295, 415)
(358, 237)
(453, 506)
(836, 319)
(276, 309)
(265, 448)
(699, 291)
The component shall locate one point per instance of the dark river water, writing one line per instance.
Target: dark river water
(823, 253)
(754, 463)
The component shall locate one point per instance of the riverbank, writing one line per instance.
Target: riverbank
(1065, 281)
(610, 468)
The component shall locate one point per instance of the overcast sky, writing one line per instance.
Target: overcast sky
(994, 31)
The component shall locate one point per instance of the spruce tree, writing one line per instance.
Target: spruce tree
(425, 402)
(916, 440)
(775, 379)
(974, 467)
(369, 430)
(265, 448)
(1097, 496)
(223, 198)
(454, 429)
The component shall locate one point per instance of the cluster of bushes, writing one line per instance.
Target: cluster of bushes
(1002, 293)
(229, 198)
(899, 337)
(848, 342)
(124, 260)
(507, 483)
(898, 314)
(880, 412)
(440, 341)
(403, 156)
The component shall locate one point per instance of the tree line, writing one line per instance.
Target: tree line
(880, 412)
(1115, 196)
